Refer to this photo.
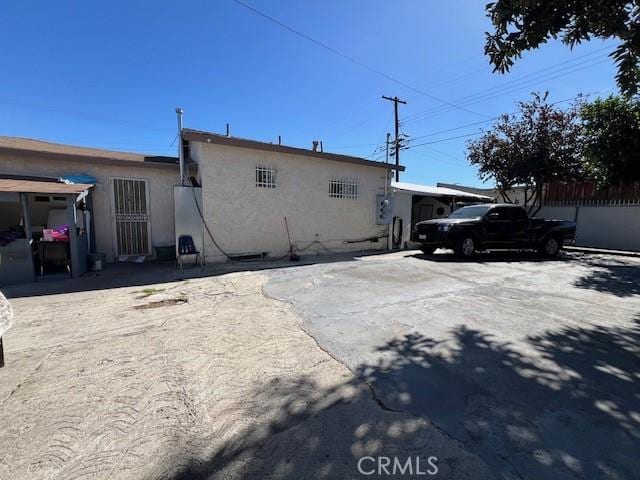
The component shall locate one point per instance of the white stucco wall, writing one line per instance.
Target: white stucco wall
(246, 219)
(160, 181)
(615, 227)
(402, 208)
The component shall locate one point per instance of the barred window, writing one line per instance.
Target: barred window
(343, 188)
(265, 176)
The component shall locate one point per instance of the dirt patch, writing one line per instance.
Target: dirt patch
(161, 303)
(147, 292)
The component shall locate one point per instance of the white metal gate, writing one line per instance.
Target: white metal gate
(131, 216)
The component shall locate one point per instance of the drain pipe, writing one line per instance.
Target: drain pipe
(180, 146)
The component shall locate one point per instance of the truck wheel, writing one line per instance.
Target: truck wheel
(466, 247)
(428, 250)
(550, 247)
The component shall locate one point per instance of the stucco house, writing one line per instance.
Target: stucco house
(250, 187)
(251, 197)
(125, 209)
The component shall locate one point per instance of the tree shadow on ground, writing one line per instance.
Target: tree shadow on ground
(564, 406)
(618, 279)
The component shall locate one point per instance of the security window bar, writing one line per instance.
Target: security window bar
(344, 188)
(265, 177)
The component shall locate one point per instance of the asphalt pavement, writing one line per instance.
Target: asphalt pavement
(534, 365)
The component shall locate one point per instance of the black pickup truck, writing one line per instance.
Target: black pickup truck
(493, 227)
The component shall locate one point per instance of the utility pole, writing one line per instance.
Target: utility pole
(396, 101)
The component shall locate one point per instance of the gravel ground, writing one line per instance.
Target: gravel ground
(202, 378)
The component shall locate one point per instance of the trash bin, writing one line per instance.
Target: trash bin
(165, 253)
(96, 261)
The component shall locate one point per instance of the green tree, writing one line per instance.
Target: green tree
(522, 25)
(612, 140)
(538, 145)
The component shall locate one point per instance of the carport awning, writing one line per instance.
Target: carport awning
(34, 186)
(431, 191)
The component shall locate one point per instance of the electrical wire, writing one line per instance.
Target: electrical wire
(457, 162)
(445, 139)
(354, 60)
(496, 93)
(204, 222)
(412, 139)
(532, 74)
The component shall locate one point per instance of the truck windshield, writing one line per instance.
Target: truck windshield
(470, 212)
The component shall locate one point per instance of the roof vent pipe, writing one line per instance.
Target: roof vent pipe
(180, 146)
(228, 131)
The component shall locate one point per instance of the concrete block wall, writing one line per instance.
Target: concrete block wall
(615, 227)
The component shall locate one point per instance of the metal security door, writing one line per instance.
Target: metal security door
(131, 216)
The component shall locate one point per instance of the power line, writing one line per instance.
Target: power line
(445, 139)
(457, 163)
(490, 94)
(412, 139)
(354, 60)
(481, 132)
(519, 80)
(453, 129)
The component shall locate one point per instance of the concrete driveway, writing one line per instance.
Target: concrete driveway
(534, 366)
(505, 367)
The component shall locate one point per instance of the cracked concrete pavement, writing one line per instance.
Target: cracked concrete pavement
(533, 365)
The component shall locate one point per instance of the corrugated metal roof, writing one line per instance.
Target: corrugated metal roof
(209, 137)
(28, 146)
(436, 191)
(33, 186)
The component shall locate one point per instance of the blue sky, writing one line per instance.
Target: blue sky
(109, 74)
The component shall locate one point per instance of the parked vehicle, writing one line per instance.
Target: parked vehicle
(493, 227)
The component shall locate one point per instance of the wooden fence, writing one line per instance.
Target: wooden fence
(587, 193)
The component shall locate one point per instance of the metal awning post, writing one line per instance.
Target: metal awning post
(73, 236)
(26, 220)
(26, 215)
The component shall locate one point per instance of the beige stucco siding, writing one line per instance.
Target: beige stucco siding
(245, 218)
(160, 183)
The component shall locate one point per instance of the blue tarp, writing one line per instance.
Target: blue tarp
(78, 178)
